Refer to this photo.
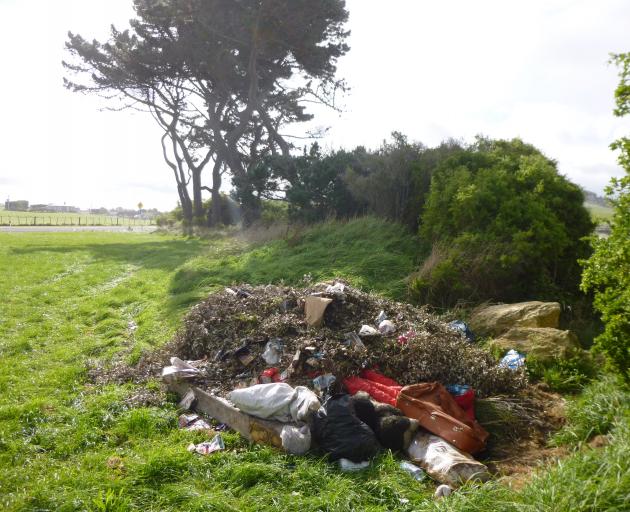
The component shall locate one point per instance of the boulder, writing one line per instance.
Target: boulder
(541, 343)
(495, 320)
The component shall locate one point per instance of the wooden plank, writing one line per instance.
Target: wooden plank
(254, 429)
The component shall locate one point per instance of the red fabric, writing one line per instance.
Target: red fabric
(467, 402)
(271, 373)
(379, 392)
(375, 376)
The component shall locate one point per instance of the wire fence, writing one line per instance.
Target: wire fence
(54, 220)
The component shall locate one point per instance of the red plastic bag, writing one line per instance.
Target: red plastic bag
(379, 392)
(375, 376)
(270, 375)
(467, 402)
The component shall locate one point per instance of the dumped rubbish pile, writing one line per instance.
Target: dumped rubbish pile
(336, 370)
(295, 335)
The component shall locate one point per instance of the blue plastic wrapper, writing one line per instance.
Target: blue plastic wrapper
(462, 327)
(457, 389)
(512, 360)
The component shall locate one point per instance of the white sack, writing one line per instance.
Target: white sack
(276, 401)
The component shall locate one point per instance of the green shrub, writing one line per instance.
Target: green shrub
(500, 223)
(566, 375)
(606, 272)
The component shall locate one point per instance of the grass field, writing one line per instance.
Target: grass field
(69, 444)
(599, 213)
(11, 218)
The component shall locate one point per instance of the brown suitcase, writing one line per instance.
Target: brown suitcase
(436, 410)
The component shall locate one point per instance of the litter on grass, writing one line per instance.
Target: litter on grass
(267, 347)
(208, 447)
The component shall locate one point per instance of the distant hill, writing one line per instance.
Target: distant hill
(598, 206)
(593, 198)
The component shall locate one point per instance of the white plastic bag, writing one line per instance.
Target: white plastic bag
(348, 466)
(386, 327)
(273, 352)
(296, 440)
(367, 330)
(381, 317)
(336, 289)
(304, 404)
(179, 370)
(443, 462)
(208, 447)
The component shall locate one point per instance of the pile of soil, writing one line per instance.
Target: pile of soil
(229, 330)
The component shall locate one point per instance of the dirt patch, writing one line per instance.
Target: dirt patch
(520, 428)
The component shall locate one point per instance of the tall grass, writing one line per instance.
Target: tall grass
(368, 252)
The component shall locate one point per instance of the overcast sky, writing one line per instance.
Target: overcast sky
(430, 69)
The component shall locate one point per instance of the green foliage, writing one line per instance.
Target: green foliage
(391, 182)
(601, 406)
(315, 189)
(565, 375)
(606, 272)
(385, 180)
(274, 212)
(111, 501)
(500, 223)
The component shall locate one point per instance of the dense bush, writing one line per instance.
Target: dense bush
(606, 272)
(394, 181)
(500, 223)
(391, 182)
(315, 188)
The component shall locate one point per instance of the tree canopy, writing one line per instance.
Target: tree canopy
(222, 78)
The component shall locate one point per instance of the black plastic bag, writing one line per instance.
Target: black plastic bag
(341, 434)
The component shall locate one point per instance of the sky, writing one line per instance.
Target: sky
(432, 70)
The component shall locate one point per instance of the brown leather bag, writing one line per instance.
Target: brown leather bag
(436, 410)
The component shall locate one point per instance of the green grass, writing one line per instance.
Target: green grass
(369, 253)
(68, 444)
(599, 213)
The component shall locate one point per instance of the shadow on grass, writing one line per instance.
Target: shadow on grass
(162, 255)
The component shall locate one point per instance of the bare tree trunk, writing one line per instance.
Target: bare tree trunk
(217, 207)
(197, 199)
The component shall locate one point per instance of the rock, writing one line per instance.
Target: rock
(495, 320)
(541, 343)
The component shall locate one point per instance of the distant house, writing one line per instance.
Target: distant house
(53, 208)
(38, 208)
(16, 206)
